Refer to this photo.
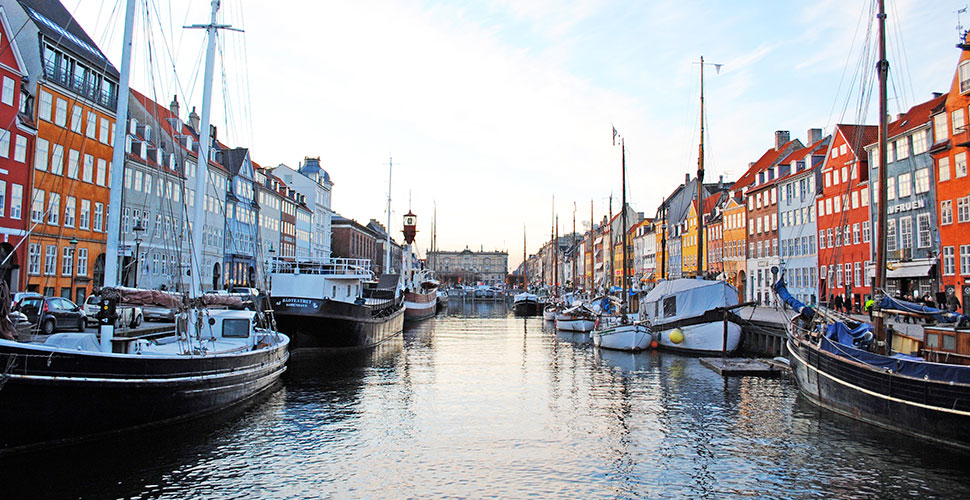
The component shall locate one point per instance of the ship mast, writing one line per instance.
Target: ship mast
(525, 264)
(700, 185)
(387, 245)
(592, 249)
(117, 159)
(879, 285)
(623, 235)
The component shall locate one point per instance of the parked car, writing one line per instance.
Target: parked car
(53, 313)
(129, 315)
(18, 296)
(158, 313)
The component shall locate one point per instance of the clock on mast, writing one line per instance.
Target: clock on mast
(410, 227)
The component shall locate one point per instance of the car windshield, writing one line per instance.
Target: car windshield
(92, 300)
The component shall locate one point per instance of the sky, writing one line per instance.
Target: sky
(491, 109)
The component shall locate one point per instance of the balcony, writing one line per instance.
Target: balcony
(83, 89)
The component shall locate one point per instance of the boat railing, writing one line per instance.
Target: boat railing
(319, 266)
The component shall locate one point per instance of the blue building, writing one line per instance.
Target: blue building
(242, 214)
(797, 223)
(912, 233)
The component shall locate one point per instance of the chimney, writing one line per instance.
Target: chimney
(814, 135)
(781, 138)
(194, 120)
(937, 94)
(213, 132)
(687, 178)
(174, 106)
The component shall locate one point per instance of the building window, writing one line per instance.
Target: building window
(964, 72)
(856, 234)
(957, 121)
(865, 231)
(891, 242)
(91, 130)
(960, 164)
(104, 136)
(905, 185)
(54, 209)
(965, 259)
(73, 159)
(60, 112)
(70, 205)
(939, 128)
(949, 261)
(857, 273)
(922, 180)
(906, 232)
(57, 159)
(87, 175)
(963, 209)
(923, 230)
(919, 142)
(4, 143)
(838, 275)
(67, 261)
(77, 115)
(944, 169)
(82, 261)
(46, 103)
(20, 149)
(37, 206)
(891, 188)
(902, 148)
(50, 260)
(16, 201)
(102, 170)
(33, 258)
(41, 150)
(946, 212)
(98, 216)
(84, 222)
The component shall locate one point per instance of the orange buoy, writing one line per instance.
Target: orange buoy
(653, 344)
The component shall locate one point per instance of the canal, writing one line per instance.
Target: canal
(479, 403)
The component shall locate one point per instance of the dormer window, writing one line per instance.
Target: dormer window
(133, 126)
(964, 77)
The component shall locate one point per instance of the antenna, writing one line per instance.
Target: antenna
(960, 31)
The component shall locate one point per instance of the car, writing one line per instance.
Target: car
(50, 314)
(18, 296)
(158, 313)
(129, 315)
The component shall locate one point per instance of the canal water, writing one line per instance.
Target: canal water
(478, 403)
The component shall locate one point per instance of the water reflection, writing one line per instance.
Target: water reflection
(476, 402)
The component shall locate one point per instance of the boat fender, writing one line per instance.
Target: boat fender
(677, 335)
(653, 344)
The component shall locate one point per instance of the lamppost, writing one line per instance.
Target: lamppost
(266, 274)
(138, 230)
(73, 244)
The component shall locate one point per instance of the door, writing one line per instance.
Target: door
(966, 297)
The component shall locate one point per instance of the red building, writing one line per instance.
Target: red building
(843, 216)
(16, 158)
(953, 183)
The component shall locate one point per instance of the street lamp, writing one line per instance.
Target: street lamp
(266, 276)
(73, 244)
(138, 230)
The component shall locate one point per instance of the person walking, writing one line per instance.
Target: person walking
(952, 303)
(838, 303)
(868, 307)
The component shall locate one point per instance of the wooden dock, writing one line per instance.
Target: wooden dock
(743, 367)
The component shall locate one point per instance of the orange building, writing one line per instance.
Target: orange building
(75, 90)
(734, 243)
(951, 137)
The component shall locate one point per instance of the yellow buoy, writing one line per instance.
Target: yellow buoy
(677, 336)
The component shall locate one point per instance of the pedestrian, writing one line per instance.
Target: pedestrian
(868, 307)
(952, 303)
(838, 302)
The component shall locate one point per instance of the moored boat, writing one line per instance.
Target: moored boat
(525, 304)
(576, 319)
(688, 316)
(623, 336)
(332, 303)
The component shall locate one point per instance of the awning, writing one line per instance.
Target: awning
(912, 269)
(909, 270)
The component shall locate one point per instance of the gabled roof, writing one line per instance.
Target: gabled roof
(770, 158)
(858, 137)
(819, 148)
(57, 24)
(916, 116)
(234, 159)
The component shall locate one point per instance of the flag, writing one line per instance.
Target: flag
(614, 135)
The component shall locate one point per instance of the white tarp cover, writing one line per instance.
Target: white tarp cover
(691, 298)
(74, 341)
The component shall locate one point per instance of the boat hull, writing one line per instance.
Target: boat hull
(328, 324)
(575, 324)
(51, 397)
(525, 308)
(420, 305)
(932, 410)
(549, 314)
(700, 338)
(631, 337)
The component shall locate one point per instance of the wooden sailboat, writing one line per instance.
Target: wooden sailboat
(73, 387)
(850, 368)
(623, 335)
(525, 303)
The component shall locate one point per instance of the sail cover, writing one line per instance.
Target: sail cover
(139, 296)
(679, 299)
(897, 305)
(917, 369)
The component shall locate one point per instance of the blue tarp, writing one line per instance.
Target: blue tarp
(859, 336)
(792, 302)
(941, 316)
(959, 374)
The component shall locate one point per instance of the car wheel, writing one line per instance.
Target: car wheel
(47, 327)
(137, 322)
(81, 324)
